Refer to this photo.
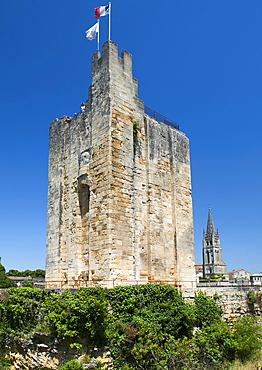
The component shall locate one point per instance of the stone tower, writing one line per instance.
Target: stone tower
(212, 253)
(119, 189)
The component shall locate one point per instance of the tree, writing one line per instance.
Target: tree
(14, 273)
(38, 273)
(2, 268)
(4, 281)
(33, 273)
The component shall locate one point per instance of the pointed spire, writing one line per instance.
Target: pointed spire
(210, 223)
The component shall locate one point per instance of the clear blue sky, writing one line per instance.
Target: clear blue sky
(198, 62)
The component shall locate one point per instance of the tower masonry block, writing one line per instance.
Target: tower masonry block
(119, 189)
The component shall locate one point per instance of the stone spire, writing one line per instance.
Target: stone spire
(210, 224)
(212, 253)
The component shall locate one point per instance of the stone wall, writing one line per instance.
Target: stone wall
(41, 351)
(119, 197)
(233, 299)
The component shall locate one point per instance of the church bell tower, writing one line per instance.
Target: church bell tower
(212, 252)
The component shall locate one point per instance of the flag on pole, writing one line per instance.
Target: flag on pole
(91, 32)
(101, 11)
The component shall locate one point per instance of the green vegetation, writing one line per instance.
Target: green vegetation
(215, 277)
(143, 326)
(251, 297)
(29, 284)
(246, 333)
(78, 315)
(72, 365)
(254, 297)
(207, 311)
(33, 273)
(4, 281)
(136, 125)
(5, 363)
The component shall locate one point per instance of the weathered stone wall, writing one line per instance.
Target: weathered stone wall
(41, 351)
(119, 200)
(233, 299)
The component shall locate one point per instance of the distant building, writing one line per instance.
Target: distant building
(19, 280)
(239, 276)
(256, 279)
(212, 253)
(199, 270)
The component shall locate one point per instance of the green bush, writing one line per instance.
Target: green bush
(161, 305)
(251, 297)
(145, 346)
(144, 323)
(5, 362)
(36, 294)
(19, 309)
(72, 365)
(27, 284)
(77, 315)
(215, 344)
(247, 334)
(206, 310)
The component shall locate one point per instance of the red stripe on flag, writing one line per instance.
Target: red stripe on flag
(97, 12)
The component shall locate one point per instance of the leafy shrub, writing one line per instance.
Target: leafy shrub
(140, 347)
(77, 315)
(206, 310)
(161, 305)
(251, 297)
(215, 345)
(19, 309)
(145, 320)
(28, 292)
(247, 333)
(72, 365)
(27, 284)
(5, 363)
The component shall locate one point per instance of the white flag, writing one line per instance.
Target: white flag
(91, 33)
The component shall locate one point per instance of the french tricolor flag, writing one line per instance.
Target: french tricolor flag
(101, 11)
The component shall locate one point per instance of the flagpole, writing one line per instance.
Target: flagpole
(98, 34)
(109, 21)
